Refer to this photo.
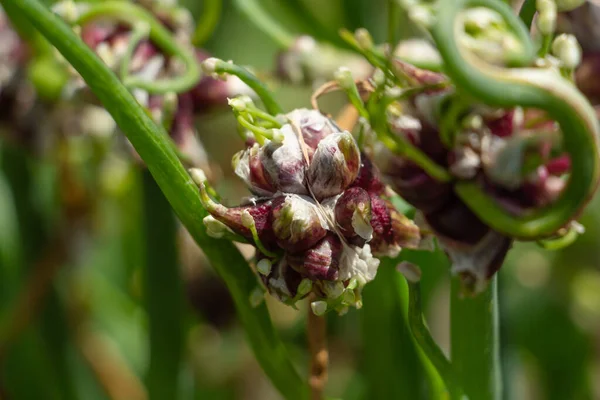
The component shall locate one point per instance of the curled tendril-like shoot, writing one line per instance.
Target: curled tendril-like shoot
(564, 238)
(530, 88)
(134, 15)
(140, 31)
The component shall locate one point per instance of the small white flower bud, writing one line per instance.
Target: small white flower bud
(319, 308)
(577, 227)
(198, 176)
(278, 136)
(264, 266)
(545, 5)
(566, 48)
(215, 228)
(209, 66)
(247, 219)
(378, 77)
(238, 104)
(305, 287)
(343, 76)
(364, 38)
(546, 22)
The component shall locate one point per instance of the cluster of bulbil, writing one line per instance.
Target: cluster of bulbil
(319, 215)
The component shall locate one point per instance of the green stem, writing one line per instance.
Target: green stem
(528, 10)
(266, 96)
(474, 331)
(395, 373)
(133, 14)
(563, 240)
(152, 145)
(545, 47)
(428, 345)
(530, 88)
(138, 33)
(260, 134)
(209, 19)
(272, 121)
(373, 56)
(254, 11)
(163, 293)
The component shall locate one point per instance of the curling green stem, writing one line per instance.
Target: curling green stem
(428, 344)
(564, 240)
(252, 226)
(254, 11)
(139, 32)
(474, 331)
(133, 14)
(153, 146)
(169, 109)
(268, 99)
(531, 88)
(209, 19)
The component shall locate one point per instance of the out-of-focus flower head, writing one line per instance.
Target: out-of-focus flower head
(112, 39)
(511, 153)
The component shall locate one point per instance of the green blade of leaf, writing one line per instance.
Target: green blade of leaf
(163, 293)
(391, 365)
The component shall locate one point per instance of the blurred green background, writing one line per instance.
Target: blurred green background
(76, 236)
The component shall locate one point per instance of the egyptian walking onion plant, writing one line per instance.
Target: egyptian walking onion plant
(484, 134)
